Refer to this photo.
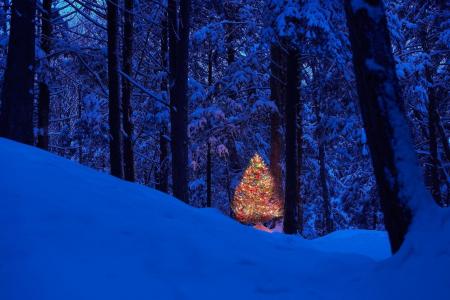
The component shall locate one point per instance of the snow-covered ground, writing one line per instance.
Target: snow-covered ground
(68, 232)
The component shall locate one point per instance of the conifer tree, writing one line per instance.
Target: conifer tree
(254, 200)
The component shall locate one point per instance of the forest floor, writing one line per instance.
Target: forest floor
(69, 232)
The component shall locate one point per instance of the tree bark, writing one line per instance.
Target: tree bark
(276, 90)
(320, 135)
(208, 175)
(292, 100)
(115, 133)
(208, 149)
(127, 90)
(382, 112)
(299, 140)
(163, 180)
(178, 62)
(16, 118)
(44, 90)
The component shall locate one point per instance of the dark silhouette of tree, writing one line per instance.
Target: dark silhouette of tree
(178, 67)
(163, 171)
(115, 133)
(393, 157)
(127, 89)
(277, 89)
(44, 91)
(292, 102)
(16, 118)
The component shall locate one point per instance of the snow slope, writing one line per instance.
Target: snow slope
(68, 232)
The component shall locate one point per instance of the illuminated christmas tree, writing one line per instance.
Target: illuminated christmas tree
(254, 199)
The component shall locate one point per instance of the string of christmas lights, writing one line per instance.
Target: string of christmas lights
(254, 199)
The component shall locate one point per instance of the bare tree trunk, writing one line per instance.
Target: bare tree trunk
(178, 61)
(16, 118)
(127, 91)
(208, 154)
(299, 140)
(208, 176)
(163, 180)
(115, 133)
(383, 117)
(44, 91)
(292, 100)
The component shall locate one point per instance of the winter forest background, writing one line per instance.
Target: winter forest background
(241, 56)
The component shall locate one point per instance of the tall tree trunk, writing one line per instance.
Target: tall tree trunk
(292, 100)
(432, 170)
(393, 156)
(115, 133)
(44, 91)
(127, 90)
(208, 176)
(178, 61)
(299, 140)
(208, 154)
(16, 118)
(277, 79)
(234, 159)
(163, 180)
(327, 220)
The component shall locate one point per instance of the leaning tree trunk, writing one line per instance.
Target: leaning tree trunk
(115, 133)
(16, 117)
(178, 62)
(292, 100)
(44, 91)
(399, 180)
(127, 90)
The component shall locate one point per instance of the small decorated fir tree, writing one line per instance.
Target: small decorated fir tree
(254, 199)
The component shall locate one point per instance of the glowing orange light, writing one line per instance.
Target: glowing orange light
(254, 199)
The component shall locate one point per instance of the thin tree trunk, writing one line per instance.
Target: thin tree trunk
(115, 133)
(444, 139)
(328, 224)
(16, 118)
(432, 170)
(163, 180)
(208, 175)
(384, 121)
(178, 61)
(44, 91)
(127, 90)
(299, 141)
(292, 100)
(208, 154)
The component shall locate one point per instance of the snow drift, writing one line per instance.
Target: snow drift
(69, 232)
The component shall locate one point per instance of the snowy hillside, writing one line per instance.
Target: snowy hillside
(68, 232)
